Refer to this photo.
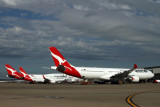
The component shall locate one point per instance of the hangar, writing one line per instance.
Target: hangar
(156, 72)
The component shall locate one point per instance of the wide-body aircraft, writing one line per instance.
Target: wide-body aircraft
(108, 74)
(33, 78)
(48, 78)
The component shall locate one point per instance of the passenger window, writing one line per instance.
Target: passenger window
(145, 70)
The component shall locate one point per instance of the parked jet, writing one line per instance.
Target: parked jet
(111, 74)
(12, 72)
(33, 78)
(48, 78)
(156, 81)
(23, 76)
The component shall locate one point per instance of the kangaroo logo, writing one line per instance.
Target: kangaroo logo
(61, 61)
(12, 71)
(24, 75)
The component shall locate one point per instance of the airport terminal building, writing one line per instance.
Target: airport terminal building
(156, 72)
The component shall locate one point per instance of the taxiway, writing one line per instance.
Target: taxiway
(74, 95)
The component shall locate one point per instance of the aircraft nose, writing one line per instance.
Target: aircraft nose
(152, 75)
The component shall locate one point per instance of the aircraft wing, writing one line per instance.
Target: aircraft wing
(122, 74)
(54, 68)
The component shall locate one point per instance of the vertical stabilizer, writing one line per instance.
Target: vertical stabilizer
(58, 58)
(12, 72)
(22, 72)
(61, 63)
(24, 75)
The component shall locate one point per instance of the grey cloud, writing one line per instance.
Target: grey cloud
(90, 29)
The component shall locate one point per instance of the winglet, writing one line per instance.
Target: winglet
(44, 77)
(135, 66)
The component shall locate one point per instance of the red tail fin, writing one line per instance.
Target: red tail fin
(62, 64)
(24, 75)
(58, 58)
(12, 72)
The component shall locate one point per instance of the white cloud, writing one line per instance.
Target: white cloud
(79, 7)
(70, 43)
(15, 3)
(10, 2)
(126, 7)
(16, 29)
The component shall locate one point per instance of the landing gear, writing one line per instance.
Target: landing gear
(118, 82)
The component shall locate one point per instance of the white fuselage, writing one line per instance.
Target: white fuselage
(36, 77)
(106, 73)
(142, 74)
(55, 77)
(98, 73)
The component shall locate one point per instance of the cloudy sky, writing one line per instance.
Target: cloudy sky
(102, 33)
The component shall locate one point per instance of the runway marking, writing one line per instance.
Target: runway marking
(53, 97)
(15, 98)
(129, 99)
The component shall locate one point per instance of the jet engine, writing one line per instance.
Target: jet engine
(47, 81)
(134, 79)
(61, 68)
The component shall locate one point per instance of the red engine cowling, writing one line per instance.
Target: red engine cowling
(134, 78)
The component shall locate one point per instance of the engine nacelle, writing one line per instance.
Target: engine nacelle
(61, 68)
(47, 81)
(134, 79)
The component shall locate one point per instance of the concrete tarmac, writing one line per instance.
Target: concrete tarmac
(74, 95)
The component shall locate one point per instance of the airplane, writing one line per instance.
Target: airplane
(12, 72)
(118, 75)
(23, 76)
(60, 77)
(33, 78)
(156, 81)
(47, 78)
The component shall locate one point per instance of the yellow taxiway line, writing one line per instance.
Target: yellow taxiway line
(129, 99)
